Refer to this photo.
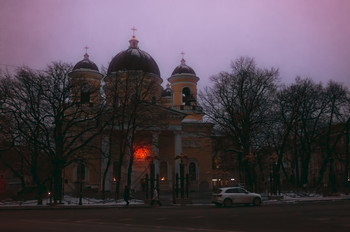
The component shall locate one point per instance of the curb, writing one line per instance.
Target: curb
(131, 206)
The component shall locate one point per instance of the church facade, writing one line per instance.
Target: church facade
(172, 152)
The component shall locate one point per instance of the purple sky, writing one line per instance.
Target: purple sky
(309, 38)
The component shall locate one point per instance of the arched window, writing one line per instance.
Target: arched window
(186, 93)
(85, 93)
(163, 171)
(192, 172)
(81, 172)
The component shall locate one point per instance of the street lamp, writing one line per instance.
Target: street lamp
(183, 158)
(152, 177)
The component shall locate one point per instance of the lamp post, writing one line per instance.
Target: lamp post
(152, 177)
(183, 158)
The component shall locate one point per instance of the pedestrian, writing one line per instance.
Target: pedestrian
(126, 194)
(155, 197)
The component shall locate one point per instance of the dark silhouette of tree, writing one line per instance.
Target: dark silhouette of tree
(50, 122)
(337, 99)
(129, 97)
(239, 103)
(284, 117)
(310, 124)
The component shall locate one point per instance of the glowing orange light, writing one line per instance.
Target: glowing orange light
(114, 179)
(141, 153)
(163, 178)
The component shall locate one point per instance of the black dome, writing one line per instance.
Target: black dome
(133, 59)
(86, 64)
(183, 68)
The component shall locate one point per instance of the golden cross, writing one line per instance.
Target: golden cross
(182, 53)
(133, 30)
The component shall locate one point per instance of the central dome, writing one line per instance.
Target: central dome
(133, 59)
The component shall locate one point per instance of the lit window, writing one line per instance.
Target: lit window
(141, 153)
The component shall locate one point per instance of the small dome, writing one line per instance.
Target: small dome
(183, 68)
(167, 92)
(133, 59)
(86, 63)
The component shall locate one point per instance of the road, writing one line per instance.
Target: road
(320, 216)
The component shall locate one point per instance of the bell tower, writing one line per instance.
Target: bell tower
(86, 81)
(183, 83)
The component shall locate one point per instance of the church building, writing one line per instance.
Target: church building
(175, 152)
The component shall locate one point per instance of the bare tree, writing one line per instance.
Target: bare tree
(23, 108)
(284, 117)
(6, 132)
(337, 100)
(239, 104)
(129, 97)
(310, 124)
(53, 125)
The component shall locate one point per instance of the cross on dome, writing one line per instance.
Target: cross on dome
(133, 31)
(133, 42)
(182, 60)
(86, 56)
(182, 53)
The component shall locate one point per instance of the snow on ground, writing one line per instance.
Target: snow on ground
(71, 201)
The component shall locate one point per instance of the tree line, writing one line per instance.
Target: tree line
(285, 129)
(268, 126)
(46, 126)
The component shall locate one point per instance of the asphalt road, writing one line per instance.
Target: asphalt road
(320, 216)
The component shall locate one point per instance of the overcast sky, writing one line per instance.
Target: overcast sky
(308, 38)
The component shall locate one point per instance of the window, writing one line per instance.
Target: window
(233, 190)
(242, 191)
(85, 93)
(186, 93)
(192, 171)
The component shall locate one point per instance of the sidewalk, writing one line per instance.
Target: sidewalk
(198, 199)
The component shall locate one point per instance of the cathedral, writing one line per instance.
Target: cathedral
(175, 152)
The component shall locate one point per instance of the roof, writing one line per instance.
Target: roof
(183, 68)
(86, 63)
(133, 59)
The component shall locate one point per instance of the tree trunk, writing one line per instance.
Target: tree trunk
(104, 177)
(346, 176)
(296, 160)
(305, 169)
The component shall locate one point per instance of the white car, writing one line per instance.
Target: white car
(235, 195)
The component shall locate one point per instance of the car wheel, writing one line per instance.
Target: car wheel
(257, 201)
(227, 202)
